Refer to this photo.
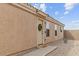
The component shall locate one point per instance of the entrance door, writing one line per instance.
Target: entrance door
(39, 33)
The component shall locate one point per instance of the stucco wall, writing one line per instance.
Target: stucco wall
(71, 34)
(17, 29)
(59, 33)
(52, 36)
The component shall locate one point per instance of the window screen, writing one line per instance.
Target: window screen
(47, 33)
(55, 32)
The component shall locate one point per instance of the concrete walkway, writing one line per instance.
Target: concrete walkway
(41, 51)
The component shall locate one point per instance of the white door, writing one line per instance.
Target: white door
(39, 32)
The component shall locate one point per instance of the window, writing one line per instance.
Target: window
(47, 29)
(55, 32)
(47, 33)
(60, 29)
(47, 25)
(55, 27)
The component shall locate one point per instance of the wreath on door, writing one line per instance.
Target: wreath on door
(39, 27)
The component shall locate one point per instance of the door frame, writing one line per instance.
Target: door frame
(43, 31)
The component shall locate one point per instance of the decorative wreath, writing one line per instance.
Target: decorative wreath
(39, 27)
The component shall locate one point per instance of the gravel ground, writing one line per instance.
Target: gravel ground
(71, 48)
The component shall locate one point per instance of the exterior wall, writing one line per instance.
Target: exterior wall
(60, 34)
(52, 36)
(71, 34)
(17, 29)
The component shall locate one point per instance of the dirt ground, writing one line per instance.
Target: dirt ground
(71, 48)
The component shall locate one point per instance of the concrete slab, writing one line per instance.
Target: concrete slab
(41, 51)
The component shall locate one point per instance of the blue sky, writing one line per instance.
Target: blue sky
(67, 13)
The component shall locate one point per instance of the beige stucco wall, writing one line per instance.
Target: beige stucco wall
(17, 29)
(60, 34)
(71, 34)
(52, 36)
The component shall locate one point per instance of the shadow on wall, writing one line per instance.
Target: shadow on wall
(69, 34)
